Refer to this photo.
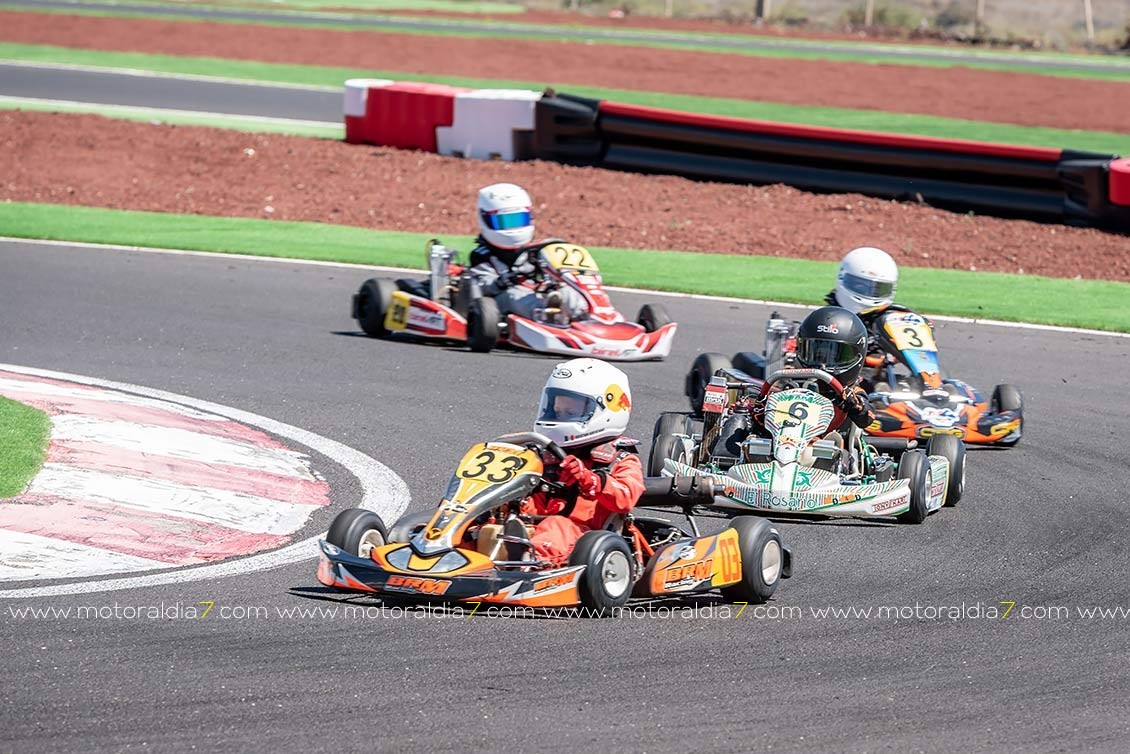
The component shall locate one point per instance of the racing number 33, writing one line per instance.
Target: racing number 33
(487, 465)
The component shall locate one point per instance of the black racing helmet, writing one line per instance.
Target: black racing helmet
(835, 340)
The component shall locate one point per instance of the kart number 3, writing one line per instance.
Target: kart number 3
(488, 466)
(913, 338)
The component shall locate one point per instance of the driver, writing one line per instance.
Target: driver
(500, 261)
(585, 407)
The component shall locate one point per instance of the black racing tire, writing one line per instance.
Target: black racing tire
(1008, 398)
(370, 306)
(607, 580)
(915, 467)
(357, 531)
(703, 368)
(664, 441)
(402, 530)
(953, 450)
(751, 363)
(653, 316)
(482, 325)
(763, 560)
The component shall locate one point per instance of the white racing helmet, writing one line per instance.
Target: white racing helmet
(584, 401)
(867, 280)
(505, 220)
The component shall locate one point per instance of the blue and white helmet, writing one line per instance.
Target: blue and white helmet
(505, 216)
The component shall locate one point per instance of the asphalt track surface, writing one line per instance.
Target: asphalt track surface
(516, 28)
(1043, 524)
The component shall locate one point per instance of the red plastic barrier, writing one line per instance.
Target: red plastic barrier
(1120, 182)
(404, 115)
(837, 134)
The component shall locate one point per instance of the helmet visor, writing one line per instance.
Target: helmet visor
(868, 288)
(559, 405)
(831, 355)
(507, 220)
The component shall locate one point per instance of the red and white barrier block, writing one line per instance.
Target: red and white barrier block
(485, 124)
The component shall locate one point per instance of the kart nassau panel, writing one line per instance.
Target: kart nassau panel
(939, 482)
(693, 565)
(911, 335)
(575, 266)
(800, 489)
(973, 422)
(618, 341)
(416, 315)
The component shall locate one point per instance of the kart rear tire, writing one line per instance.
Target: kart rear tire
(357, 531)
(915, 467)
(482, 325)
(607, 580)
(370, 306)
(1008, 398)
(653, 316)
(763, 560)
(665, 443)
(401, 531)
(751, 363)
(703, 368)
(953, 450)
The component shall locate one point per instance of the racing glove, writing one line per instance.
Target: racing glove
(506, 280)
(856, 406)
(572, 471)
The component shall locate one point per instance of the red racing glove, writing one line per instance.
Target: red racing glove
(572, 471)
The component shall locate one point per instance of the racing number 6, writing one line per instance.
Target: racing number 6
(798, 411)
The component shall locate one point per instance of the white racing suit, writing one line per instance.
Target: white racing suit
(489, 264)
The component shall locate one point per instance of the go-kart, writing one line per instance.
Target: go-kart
(465, 551)
(450, 306)
(800, 467)
(910, 398)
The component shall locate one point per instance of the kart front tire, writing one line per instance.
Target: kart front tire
(914, 466)
(482, 325)
(1008, 398)
(357, 531)
(665, 441)
(607, 580)
(953, 450)
(763, 560)
(371, 304)
(703, 368)
(652, 317)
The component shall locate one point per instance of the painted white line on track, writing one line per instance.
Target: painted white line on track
(647, 291)
(168, 111)
(141, 73)
(382, 491)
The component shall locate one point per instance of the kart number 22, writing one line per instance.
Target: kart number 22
(570, 257)
(488, 466)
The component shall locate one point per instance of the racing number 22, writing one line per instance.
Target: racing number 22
(488, 466)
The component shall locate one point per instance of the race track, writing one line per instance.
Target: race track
(1041, 525)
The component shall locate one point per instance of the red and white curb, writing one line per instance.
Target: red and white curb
(141, 480)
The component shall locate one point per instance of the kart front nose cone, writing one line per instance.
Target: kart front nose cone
(616, 573)
(771, 562)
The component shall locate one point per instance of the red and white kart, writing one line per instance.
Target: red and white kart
(450, 306)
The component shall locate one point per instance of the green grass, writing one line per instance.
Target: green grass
(1027, 298)
(24, 432)
(154, 115)
(1047, 64)
(872, 120)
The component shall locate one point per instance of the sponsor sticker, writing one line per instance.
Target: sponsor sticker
(714, 400)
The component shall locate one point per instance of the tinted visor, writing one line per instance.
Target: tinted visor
(565, 406)
(507, 220)
(868, 288)
(830, 355)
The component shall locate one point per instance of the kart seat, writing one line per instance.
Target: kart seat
(415, 287)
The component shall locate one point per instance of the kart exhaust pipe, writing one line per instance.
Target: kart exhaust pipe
(894, 445)
(681, 491)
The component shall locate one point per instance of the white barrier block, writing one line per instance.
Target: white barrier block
(484, 123)
(357, 94)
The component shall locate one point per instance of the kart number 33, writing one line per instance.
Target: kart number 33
(487, 466)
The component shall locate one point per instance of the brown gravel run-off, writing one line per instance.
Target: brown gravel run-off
(1017, 98)
(95, 161)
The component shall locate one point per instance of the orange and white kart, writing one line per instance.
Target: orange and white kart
(450, 306)
(461, 552)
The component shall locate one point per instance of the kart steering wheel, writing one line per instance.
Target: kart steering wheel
(801, 378)
(536, 439)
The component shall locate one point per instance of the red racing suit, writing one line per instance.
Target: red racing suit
(621, 484)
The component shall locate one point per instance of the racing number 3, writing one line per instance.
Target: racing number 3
(488, 466)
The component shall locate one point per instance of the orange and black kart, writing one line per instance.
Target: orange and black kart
(467, 549)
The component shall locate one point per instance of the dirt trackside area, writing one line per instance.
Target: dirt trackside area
(997, 96)
(95, 161)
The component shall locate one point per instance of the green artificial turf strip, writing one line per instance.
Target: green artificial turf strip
(1093, 304)
(833, 51)
(24, 432)
(868, 120)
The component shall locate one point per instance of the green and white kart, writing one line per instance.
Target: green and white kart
(797, 469)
